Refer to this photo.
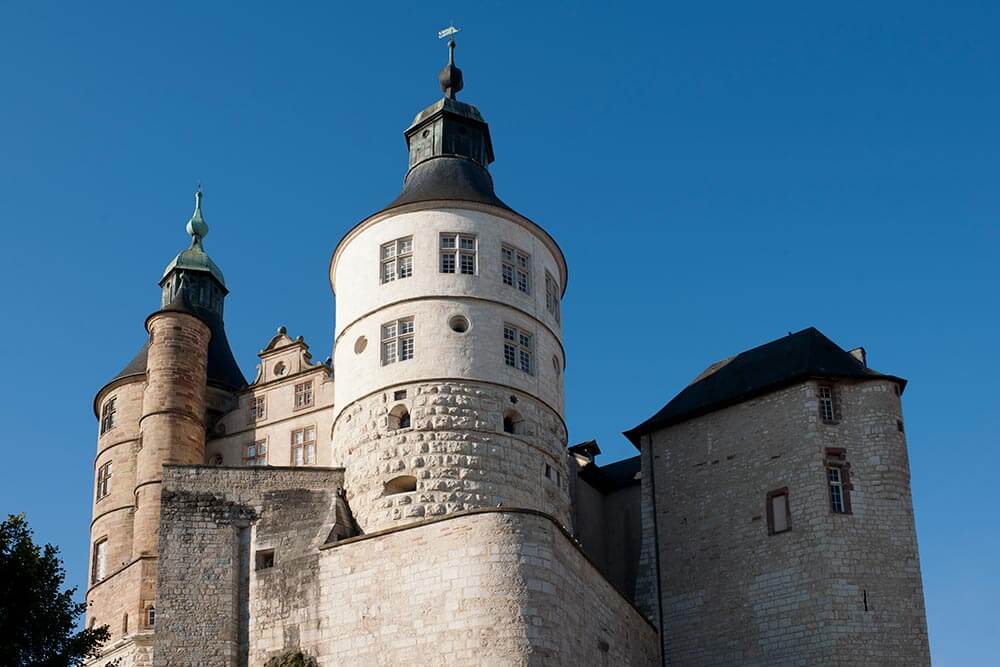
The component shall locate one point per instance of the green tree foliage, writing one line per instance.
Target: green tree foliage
(38, 619)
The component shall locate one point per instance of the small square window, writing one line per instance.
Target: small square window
(264, 559)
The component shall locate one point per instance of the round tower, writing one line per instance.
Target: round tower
(154, 412)
(448, 344)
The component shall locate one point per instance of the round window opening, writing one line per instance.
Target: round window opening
(360, 344)
(279, 368)
(459, 324)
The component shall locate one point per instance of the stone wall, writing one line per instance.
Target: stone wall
(204, 608)
(484, 587)
(834, 589)
(457, 450)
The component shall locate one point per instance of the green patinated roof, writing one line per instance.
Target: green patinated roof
(195, 258)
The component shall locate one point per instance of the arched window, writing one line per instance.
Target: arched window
(401, 484)
(399, 417)
(513, 422)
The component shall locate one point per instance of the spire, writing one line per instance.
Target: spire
(197, 228)
(450, 77)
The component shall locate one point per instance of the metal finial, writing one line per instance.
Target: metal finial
(197, 228)
(450, 76)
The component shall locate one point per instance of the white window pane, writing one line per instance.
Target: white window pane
(388, 272)
(388, 250)
(509, 333)
(405, 267)
(389, 352)
(525, 340)
(468, 264)
(468, 243)
(509, 355)
(507, 254)
(389, 330)
(447, 241)
(405, 245)
(508, 275)
(406, 349)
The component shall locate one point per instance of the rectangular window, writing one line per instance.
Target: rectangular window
(264, 559)
(396, 259)
(397, 341)
(99, 566)
(458, 252)
(779, 517)
(304, 446)
(303, 395)
(828, 412)
(838, 478)
(517, 349)
(257, 408)
(104, 480)
(256, 453)
(552, 295)
(836, 490)
(516, 268)
(151, 617)
(108, 415)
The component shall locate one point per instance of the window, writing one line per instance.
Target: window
(838, 478)
(458, 251)
(150, 616)
(552, 295)
(513, 423)
(396, 259)
(778, 515)
(397, 341)
(828, 411)
(401, 484)
(108, 415)
(517, 349)
(516, 268)
(264, 559)
(549, 472)
(399, 417)
(99, 566)
(104, 480)
(257, 408)
(303, 395)
(304, 446)
(256, 453)
(125, 624)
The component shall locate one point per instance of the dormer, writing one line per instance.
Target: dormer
(284, 357)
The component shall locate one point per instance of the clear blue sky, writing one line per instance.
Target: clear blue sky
(718, 174)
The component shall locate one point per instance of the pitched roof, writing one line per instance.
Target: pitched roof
(761, 370)
(613, 476)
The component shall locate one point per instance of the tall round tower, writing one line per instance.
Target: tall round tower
(154, 412)
(448, 346)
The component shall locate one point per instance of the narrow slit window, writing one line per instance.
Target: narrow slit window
(99, 566)
(552, 295)
(836, 481)
(827, 398)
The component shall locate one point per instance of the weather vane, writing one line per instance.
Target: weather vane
(449, 31)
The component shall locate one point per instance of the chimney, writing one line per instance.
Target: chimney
(860, 354)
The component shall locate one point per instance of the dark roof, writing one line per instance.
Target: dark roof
(588, 449)
(614, 476)
(223, 371)
(448, 178)
(761, 370)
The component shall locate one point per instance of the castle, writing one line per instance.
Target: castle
(421, 506)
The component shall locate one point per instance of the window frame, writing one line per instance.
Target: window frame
(827, 403)
(257, 408)
(394, 261)
(401, 341)
(552, 296)
(304, 446)
(452, 257)
(99, 566)
(108, 411)
(308, 395)
(258, 459)
(518, 349)
(519, 265)
(836, 459)
(103, 485)
(771, 495)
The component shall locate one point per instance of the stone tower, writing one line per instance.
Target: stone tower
(448, 346)
(154, 412)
